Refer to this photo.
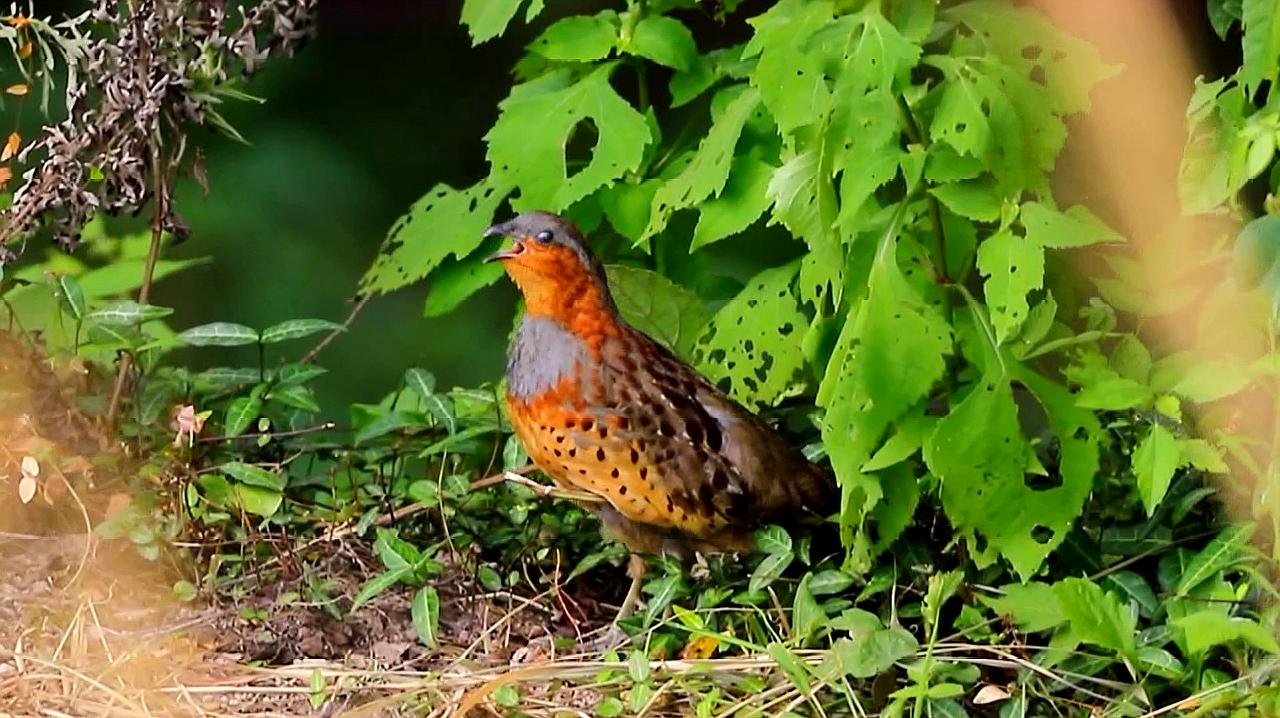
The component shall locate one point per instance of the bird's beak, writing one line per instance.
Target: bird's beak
(503, 229)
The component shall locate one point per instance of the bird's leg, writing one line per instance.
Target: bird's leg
(636, 569)
(613, 636)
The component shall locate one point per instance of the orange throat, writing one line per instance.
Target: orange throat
(570, 297)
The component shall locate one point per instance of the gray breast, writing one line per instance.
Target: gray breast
(542, 353)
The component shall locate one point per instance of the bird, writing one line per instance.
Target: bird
(600, 407)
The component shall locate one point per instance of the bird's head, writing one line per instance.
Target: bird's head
(550, 263)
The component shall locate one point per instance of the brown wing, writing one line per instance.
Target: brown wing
(714, 465)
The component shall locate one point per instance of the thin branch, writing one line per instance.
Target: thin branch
(328, 338)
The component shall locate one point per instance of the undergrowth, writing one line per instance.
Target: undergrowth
(1033, 480)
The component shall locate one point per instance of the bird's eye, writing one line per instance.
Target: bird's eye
(544, 236)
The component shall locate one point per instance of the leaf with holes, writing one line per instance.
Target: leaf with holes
(1014, 267)
(979, 452)
(443, 223)
(791, 81)
(659, 307)
(537, 120)
(708, 171)
(753, 344)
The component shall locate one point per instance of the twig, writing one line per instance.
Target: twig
(556, 492)
(325, 426)
(328, 338)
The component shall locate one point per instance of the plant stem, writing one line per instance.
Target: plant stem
(917, 135)
(160, 209)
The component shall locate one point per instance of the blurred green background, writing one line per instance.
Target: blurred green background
(386, 100)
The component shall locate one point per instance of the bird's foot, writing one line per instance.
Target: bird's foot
(610, 639)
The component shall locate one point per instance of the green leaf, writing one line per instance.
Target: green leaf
(298, 397)
(803, 197)
(126, 313)
(664, 40)
(824, 583)
(219, 334)
(425, 612)
(241, 412)
(768, 570)
(973, 199)
(378, 584)
(807, 617)
(296, 329)
(1211, 627)
(487, 19)
(1114, 394)
(773, 540)
(253, 475)
(1206, 381)
(869, 656)
(942, 588)
(906, 441)
(385, 424)
(1033, 605)
(659, 307)
(754, 342)
(394, 552)
(1261, 43)
(1202, 455)
(579, 38)
(1014, 267)
(421, 381)
(455, 281)
(1077, 227)
(628, 206)
(610, 707)
(742, 201)
(979, 452)
(790, 80)
(1136, 588)
(708, 171)
(1221, 553)
(1097, 617)
(293, 374)
(226, 377)
(527, 144)
(442, 223)
(72, 296)
(257, 500)
(1155, 459)
(1223, 14)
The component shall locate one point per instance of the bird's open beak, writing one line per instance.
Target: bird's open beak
(514, 250)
